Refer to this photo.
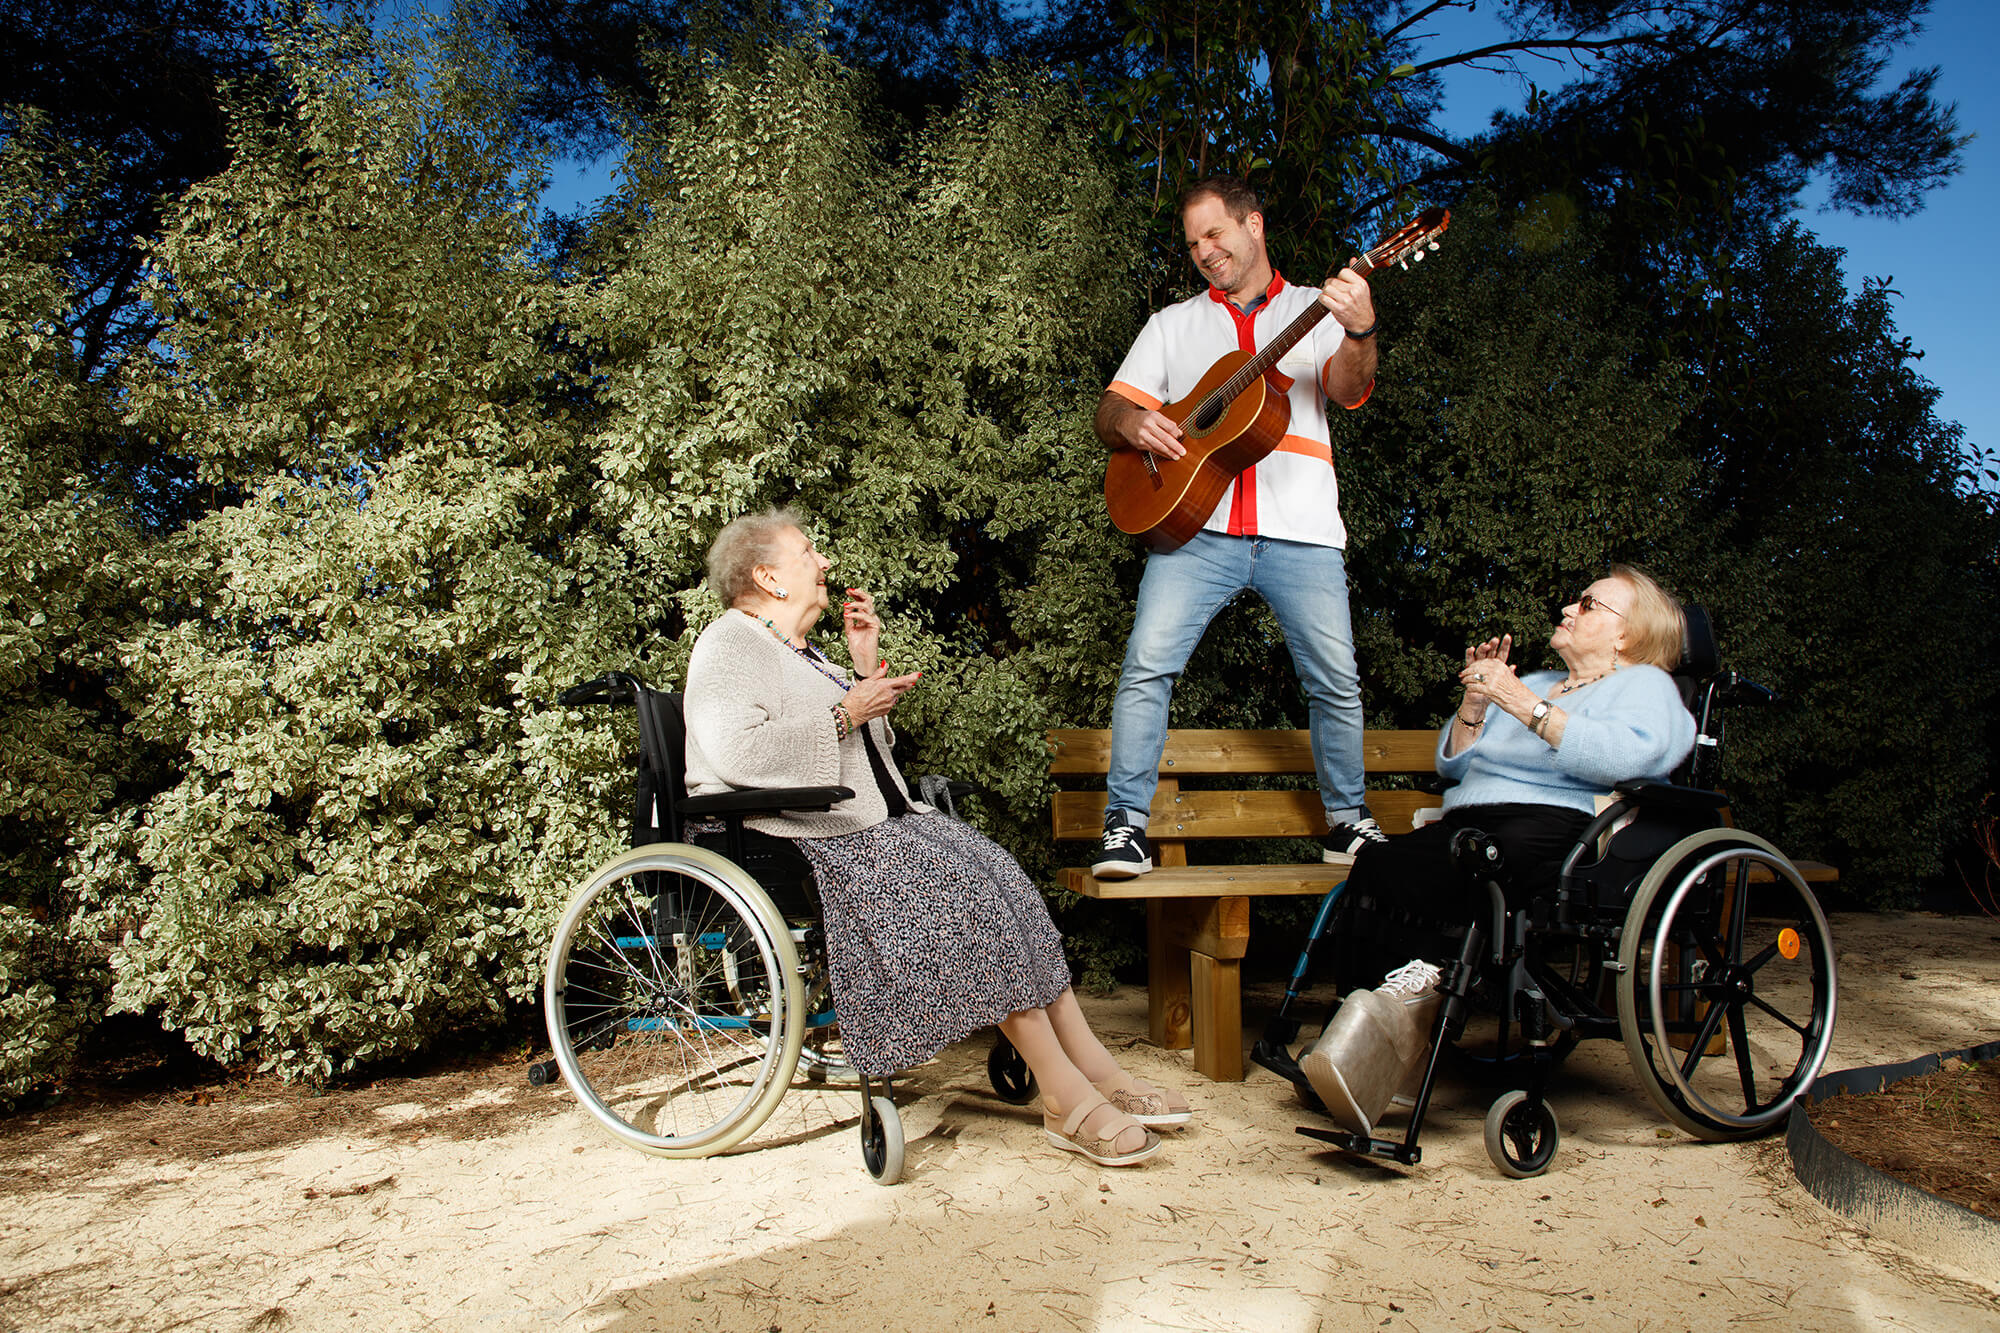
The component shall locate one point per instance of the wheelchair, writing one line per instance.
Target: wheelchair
(1697, 945)
(687, 983)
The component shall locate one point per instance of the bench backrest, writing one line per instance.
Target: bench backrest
(1179, 814)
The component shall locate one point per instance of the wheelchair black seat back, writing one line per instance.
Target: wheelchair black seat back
(1697, 945)
(687, 981)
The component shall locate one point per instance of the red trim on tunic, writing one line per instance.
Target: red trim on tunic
(1243, 491)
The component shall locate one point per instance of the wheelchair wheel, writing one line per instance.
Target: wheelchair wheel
(1521, 1136)
(674, 1002)
(1726, 996)
(882, 1141)
(1013, 1081)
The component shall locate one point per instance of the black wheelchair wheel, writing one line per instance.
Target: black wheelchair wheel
(1727, 994)
(1521, 1136)
(1013, 1081)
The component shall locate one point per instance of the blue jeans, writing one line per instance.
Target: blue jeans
(1182, 591)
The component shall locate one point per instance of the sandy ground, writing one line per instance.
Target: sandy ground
(482, 1203)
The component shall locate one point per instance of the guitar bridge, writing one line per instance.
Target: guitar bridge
(1152, 468)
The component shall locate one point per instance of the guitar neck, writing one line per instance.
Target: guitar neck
(1274, 351)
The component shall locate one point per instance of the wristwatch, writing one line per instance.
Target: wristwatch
(1538, 715)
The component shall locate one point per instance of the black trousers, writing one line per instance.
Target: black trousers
(1407, 899)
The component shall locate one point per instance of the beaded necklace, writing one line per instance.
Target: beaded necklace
(813, 656)
(1567, 686)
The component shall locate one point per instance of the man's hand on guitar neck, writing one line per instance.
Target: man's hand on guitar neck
(1123, 424)
(1349, 373)
(1346, 295)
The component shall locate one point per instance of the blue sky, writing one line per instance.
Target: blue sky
(1941, 262)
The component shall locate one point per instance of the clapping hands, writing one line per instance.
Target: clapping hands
(1487, 677)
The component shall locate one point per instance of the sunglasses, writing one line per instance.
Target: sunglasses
(1586, 604)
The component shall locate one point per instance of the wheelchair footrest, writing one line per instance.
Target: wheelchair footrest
(1406, 1153)
(1278, 1060)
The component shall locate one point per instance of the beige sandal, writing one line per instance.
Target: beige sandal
(1147, 1103)
(1069, 1135)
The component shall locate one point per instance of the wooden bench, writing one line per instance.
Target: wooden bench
(1198, 917)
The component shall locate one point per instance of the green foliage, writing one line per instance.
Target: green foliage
(288, 599)
(905, 338)
(67, 559)
(1851, 571)
(1517, 442)
(372, 822)
(43, 1013)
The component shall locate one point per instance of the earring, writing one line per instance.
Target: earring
(780, 594)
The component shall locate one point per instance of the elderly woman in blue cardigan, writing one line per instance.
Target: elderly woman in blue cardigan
(933, 930)
(1529, 755)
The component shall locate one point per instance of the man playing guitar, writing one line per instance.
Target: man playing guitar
(1276, 530)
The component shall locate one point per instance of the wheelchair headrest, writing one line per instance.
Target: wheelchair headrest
(1699, 658)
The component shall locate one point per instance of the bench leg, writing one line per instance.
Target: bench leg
(1169, 1003)
(1194, 976)
(1218, 1016)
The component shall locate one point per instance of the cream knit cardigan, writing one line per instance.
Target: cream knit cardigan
(759, 715)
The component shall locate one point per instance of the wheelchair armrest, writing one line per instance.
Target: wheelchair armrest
(613, 687)
(764, 800)
(1666, 796)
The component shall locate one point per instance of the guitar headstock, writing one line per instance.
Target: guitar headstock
(1411, 241)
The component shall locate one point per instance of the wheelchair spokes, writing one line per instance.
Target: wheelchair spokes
(1727, 1001)
(670, 994)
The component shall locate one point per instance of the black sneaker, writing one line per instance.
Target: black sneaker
(1347, 839)
(1125, 852)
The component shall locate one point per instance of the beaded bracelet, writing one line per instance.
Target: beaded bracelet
(843, 724)
(1470, 725)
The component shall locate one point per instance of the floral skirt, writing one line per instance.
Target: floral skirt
(933, 932)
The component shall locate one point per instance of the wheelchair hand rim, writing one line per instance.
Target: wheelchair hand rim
(1750, 847)
(726, 878)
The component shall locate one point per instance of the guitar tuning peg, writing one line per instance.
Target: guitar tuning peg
(1434, 245)
(1418, 256)
(1403, 264)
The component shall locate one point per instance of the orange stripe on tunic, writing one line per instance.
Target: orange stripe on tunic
(1299, 444)
(1145, 400)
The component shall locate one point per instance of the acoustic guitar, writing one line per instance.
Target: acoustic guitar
(1232, 418)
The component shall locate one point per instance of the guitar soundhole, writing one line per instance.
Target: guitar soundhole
(1205, 419)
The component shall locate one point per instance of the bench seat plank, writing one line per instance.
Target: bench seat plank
(1212, 881)
(1079, 815)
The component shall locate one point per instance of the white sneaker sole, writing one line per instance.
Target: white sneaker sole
(1122, 869)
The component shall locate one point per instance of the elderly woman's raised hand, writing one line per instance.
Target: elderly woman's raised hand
(1484, 662)
(864, 631)
(873, 696)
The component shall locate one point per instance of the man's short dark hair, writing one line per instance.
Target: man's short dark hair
(1238, 198)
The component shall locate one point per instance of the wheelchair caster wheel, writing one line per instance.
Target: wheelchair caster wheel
(882, 1141)
(1013, 1081)
(542, 1073)
(1521, 1136)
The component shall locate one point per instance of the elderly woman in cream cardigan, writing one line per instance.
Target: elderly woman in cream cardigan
(933, 931)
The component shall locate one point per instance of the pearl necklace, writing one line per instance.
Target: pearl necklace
(813, 657)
